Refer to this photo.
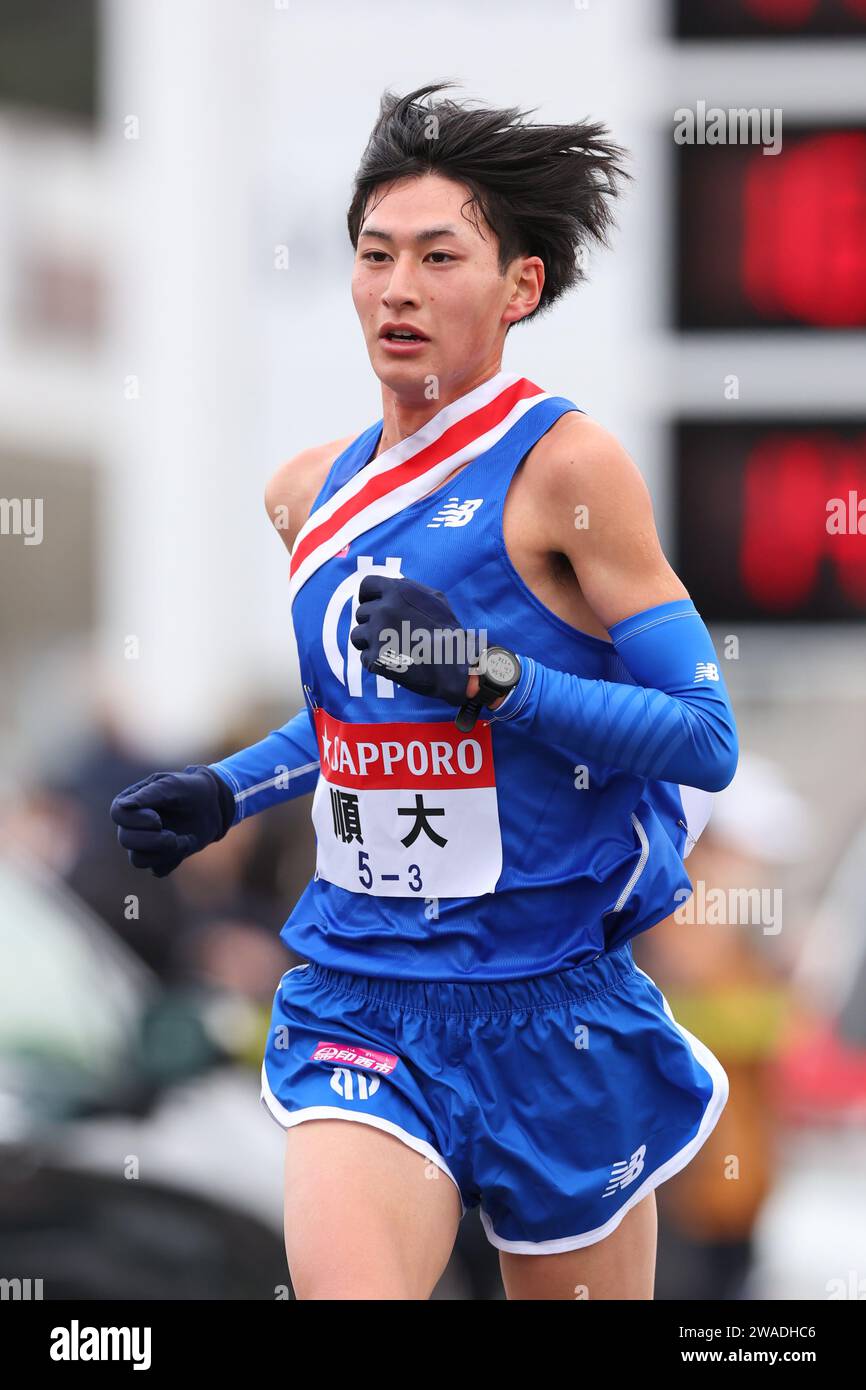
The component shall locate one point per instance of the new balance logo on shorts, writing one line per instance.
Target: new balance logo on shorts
(625, 1172)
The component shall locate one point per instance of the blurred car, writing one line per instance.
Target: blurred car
(95, 1060)
(136, 1160)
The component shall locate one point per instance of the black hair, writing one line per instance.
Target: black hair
(545, 190)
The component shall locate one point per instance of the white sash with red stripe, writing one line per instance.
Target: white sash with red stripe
(406, 472)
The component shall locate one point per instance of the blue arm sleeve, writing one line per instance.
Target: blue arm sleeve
(279, 768)
(675, 725)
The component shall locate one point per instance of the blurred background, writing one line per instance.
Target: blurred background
(175, 321)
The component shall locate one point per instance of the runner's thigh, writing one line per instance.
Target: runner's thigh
(362, 1218)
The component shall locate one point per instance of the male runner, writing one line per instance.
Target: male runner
(492, 829)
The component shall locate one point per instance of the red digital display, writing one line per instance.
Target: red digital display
(732, 19)
(773, 241)
(771, 519)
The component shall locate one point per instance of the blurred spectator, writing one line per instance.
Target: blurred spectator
(64, 822)
(727, 985)
(216, 920)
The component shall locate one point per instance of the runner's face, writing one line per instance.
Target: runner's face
(447, 286)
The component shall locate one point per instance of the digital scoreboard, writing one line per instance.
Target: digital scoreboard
(746, 19)
(769, 516)
(773, 240)
(769, 282)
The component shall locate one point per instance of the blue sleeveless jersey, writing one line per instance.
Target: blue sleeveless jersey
(553, 858)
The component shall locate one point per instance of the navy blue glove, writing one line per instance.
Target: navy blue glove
(432, 667)
(168, 816)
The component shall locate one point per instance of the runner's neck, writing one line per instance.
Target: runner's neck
(414, 419)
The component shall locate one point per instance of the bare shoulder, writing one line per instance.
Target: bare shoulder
(593, 506)
(580, 461)
(291, 491)
(584, 486)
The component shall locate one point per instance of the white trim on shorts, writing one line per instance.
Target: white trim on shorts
(287, 1118)
(715, 1105)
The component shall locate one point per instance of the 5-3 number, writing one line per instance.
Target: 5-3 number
(364, 868)
(365, 873)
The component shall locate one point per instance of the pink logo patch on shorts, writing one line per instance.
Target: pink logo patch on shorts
(354, 1056)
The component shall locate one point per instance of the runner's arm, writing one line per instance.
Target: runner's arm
(281, 767)
(676, 723)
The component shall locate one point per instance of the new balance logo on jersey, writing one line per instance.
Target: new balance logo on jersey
(706, 671)
(455, 513)
(346, 1082)
(625, 1172)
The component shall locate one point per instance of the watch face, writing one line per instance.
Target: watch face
(500, 666)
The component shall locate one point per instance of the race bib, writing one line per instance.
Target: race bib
(406, 810)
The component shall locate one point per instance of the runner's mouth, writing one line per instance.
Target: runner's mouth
(402, 335)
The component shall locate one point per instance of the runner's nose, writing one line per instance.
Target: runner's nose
(402, 288)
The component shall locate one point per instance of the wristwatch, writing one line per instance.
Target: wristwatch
(499, 675)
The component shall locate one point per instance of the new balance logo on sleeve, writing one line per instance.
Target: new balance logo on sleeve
(706, 671)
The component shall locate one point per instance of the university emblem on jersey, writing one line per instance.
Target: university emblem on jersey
(345, 662)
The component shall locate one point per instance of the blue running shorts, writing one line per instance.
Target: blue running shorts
(557, 1102)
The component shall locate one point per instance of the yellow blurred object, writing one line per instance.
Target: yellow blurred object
(254, 1043)
(742, 1022)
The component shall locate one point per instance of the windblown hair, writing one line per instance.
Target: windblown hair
(545, 190)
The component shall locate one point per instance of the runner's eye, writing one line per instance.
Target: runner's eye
(367, 255)
(446, 254)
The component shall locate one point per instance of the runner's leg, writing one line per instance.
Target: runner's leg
(622, 1266)
(366, 1217)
